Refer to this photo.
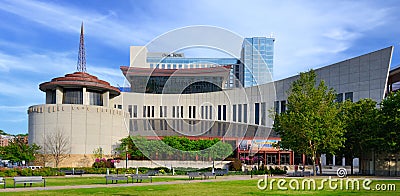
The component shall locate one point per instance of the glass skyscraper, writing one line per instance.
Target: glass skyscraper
(257, 56)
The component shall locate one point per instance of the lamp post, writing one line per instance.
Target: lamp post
(126, 155)
(258, 156)
(213, 171)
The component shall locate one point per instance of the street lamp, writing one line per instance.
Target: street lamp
(126, 155)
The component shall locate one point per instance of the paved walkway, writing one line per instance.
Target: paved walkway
(219, 178)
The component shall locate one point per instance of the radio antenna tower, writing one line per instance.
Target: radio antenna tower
(81, 65)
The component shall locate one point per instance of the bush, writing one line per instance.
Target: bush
(103, 163)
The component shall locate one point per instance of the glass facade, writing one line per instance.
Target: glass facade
(196, 61)
(235, 77)
(257, 56)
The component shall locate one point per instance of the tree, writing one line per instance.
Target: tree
(311, 123)
(18, 151)
(57, 145)
(360, 121)
(390, 124)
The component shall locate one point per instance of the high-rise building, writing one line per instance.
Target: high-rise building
(257, 57)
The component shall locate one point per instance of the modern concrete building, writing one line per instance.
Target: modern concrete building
(173, 95)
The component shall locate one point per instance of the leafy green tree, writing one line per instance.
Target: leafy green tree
(130, 145)
(360, 121)
(177, 147)
(18, 151)
(311, 123)
(389, 134)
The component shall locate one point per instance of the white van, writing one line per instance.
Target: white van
(35, 167)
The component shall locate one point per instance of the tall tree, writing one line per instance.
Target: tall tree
(360, 121)
(57, 145)
(390, 124)
(311, 123)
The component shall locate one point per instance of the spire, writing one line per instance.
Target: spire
(81, 65)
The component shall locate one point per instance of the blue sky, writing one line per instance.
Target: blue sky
(39, 39)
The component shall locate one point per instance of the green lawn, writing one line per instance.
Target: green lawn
(66, 181)
(243, 187)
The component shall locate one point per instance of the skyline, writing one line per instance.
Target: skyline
(39, 39)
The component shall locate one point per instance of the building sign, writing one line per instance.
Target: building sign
(172, 55)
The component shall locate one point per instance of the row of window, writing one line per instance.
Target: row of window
(280, 106)
(203, 127)
(206, 112)
(239, 112)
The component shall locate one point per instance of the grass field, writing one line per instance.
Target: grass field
(72, 181)
(238, 187)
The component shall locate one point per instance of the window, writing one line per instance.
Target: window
(348, 96)
(276, 106)
(135, 111)
(283, 106)
(95, 98)
(152, 112)
(73, 96)
(224, 112)
(130, 111)
(161, 111)
(210, 112)
(181, 111)
(206, 112)
(339, 97)
(219, 112)
(165, 111)
(240, 112)
(271, 159)
(285, 159)
(148, 111)
(245, 113)
(144, 111)
(190, 112)
(234, 113)
(50, 97)
(202, 112)
(256, 113)
(173, 111)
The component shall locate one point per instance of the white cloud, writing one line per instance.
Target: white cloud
(67, 19)
(308, 34)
